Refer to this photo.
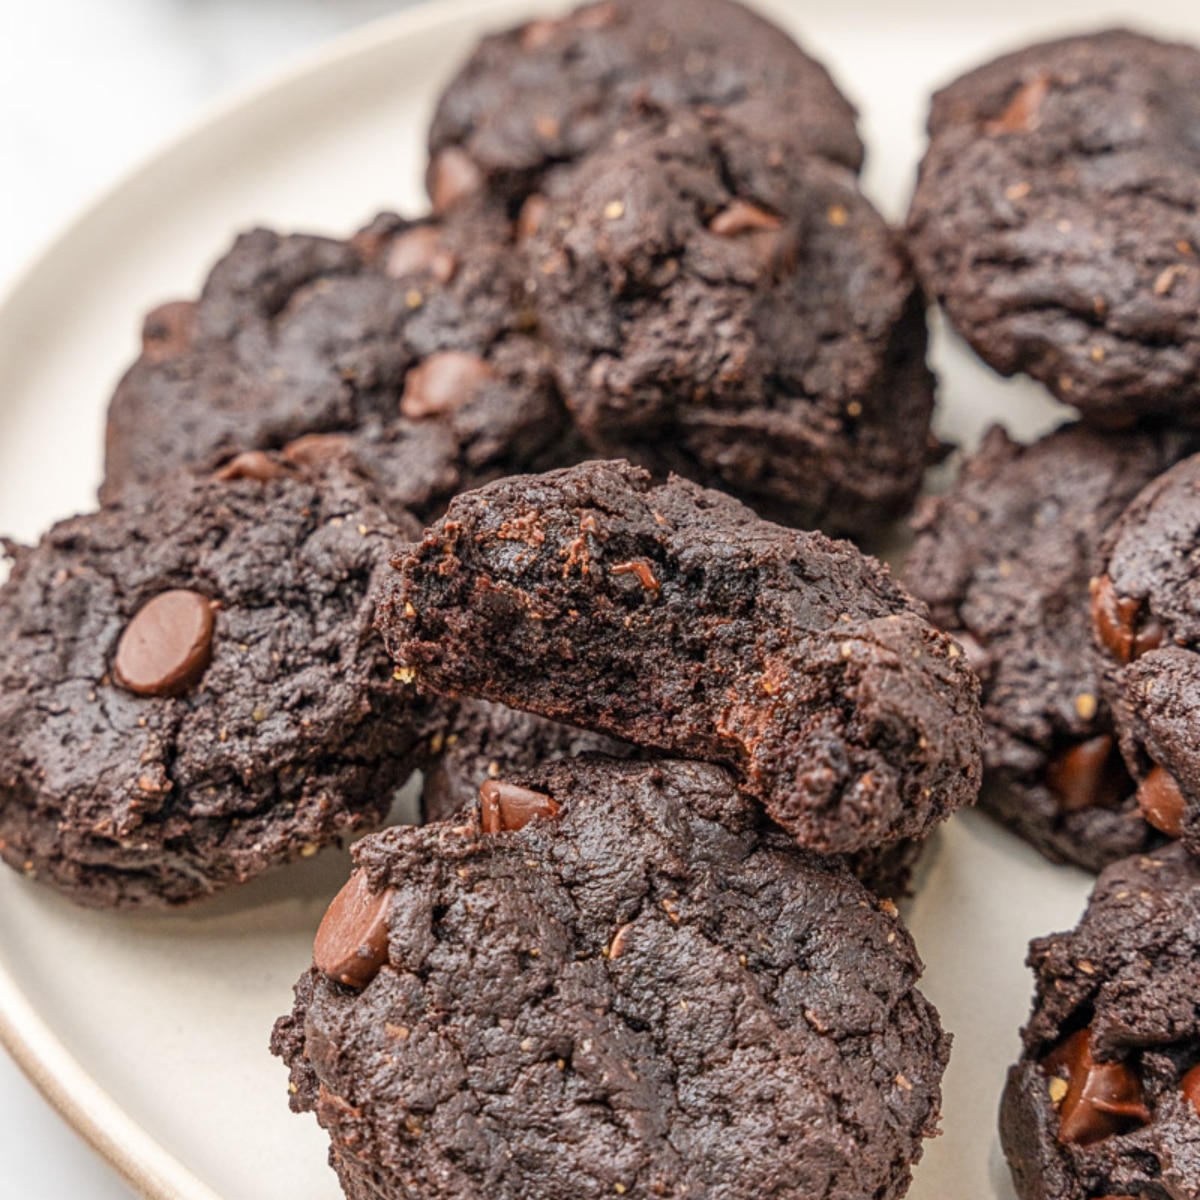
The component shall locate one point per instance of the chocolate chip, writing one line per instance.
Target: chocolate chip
(1162, 803)
(419, 251)
(166, 648)
(1089, 775)
(168, 330)
(741, 217)
(252, 464)
(453, 177)
(1103, 1098)
(443, 383)
(319, 450)
(1115, 619)
(530, 219)
(539, 34)
(352, 941)
(505, 808)
(1021, 115)
(1191, 1087)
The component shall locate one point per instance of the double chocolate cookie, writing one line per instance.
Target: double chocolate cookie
(1146, 613)
(1004, 560)
(610, 980)
(1105, 1103)
(190, 687)
(405, 348)
(746, 320)
(673, 618)
(552, 91)
(1056, 220)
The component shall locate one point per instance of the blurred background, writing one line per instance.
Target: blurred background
(88, 89)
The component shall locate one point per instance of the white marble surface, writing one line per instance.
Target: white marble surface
(89, 88)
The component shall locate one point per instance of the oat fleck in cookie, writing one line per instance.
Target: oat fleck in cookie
(672, 617)
(1005, 560)
(1146, 622)
(1056, 219)
(1105, 1101)
(551, 91)
(628, 986)
(405, 349)
(746, 321)
(190, 688)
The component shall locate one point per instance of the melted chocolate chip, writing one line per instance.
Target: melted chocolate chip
(1119, 624)
(252, 464)
(1103, 1098)
(166, 648)
(1191, 1087)
(419, 251)
(1021, 115)
(741, 217)
(319, 450)
(505, 808)
(453, 177)
(352, 941)
(1089, 775)
(443, 383)
(1162, 803)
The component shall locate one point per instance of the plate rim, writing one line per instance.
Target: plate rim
(140, 1159)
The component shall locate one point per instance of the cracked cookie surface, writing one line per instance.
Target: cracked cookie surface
(674, 618)
(644, 994)
(745, 321)
(1056, 218)
(191, 690)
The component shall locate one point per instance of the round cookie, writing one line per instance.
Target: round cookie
(674, 618)
(628, 987)
(552, 91)
(748, 322)
(409, 341)
(489, 741)
(1146, 617)
(1105, 1102)
(1056, 220)
(191, 691)
(1004, 560)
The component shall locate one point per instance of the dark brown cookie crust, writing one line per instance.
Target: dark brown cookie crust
(1130, 974)
(295, 335)
(550, 92)
(646, 995)
(294, 735)
(1056, 220)
(1004, 560)
(748, 322)
(1151, 567)
(674, 618)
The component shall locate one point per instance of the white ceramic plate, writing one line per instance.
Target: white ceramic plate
(150, 1033)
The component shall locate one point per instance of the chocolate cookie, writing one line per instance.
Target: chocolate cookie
(1105, 1102)
(1056, 220)
(613, 981)
(409, 342)
(747, 321)
(551, 91)
(1146, 614)
(486, 741)
(191, 691)
(489, 741)
(674, 618)
(1004, 561)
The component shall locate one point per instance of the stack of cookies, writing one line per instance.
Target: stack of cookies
(523, 496)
